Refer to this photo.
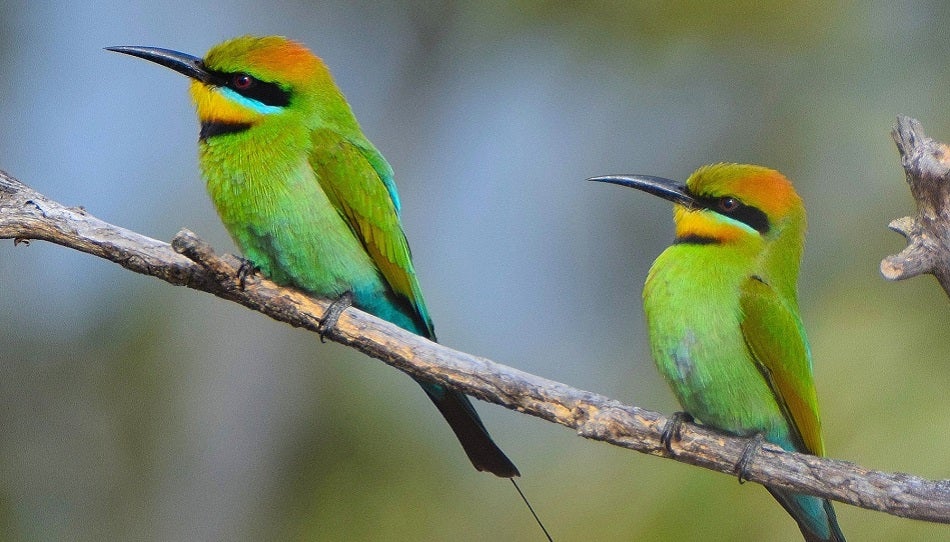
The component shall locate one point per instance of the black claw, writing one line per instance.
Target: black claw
(748, 455)
(671, 431)
(333, 313)
(247, 269)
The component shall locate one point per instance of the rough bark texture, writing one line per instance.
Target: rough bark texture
(927, 166)
(188, 261)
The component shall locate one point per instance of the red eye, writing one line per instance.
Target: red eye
(728, 204)
(242, 81)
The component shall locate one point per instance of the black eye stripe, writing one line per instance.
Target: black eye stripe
(253, 88)
(751, 216)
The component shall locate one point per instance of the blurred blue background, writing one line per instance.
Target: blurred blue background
(133, 410)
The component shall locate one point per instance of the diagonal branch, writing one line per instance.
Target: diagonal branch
(927, 167)
(188, 261)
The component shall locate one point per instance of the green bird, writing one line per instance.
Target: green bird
(306, 197)
(721, 305)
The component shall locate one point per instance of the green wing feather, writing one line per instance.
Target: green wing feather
(358, 181)
(776, 339)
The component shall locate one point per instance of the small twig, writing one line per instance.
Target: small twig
(26, 214)
(927, 167)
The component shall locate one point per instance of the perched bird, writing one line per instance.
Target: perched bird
(721, 305)
(306, 197)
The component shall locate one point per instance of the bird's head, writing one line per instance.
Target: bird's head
(726, 203)
(248, 80)
(750, 208)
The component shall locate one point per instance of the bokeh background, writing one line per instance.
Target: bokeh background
(134, 410)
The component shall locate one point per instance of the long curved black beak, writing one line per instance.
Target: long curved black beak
(182, 63)
(667, 189)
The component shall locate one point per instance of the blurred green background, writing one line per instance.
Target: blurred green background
(133, 410)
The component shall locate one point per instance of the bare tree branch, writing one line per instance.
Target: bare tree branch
(188, 261)
(927, 166)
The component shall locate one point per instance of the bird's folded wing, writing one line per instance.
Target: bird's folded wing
(358, 182)
(776, 339)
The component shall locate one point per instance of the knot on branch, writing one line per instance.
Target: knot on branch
(8, 184)
(228, 275)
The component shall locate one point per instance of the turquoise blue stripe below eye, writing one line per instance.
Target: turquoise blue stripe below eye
(249, 103)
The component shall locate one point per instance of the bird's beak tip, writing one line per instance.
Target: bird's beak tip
(614, 179)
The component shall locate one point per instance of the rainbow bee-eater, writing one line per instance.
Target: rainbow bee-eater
(306, 197)
(721, 306)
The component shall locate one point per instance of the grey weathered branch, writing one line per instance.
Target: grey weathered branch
(927, 167)
(188, 261)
